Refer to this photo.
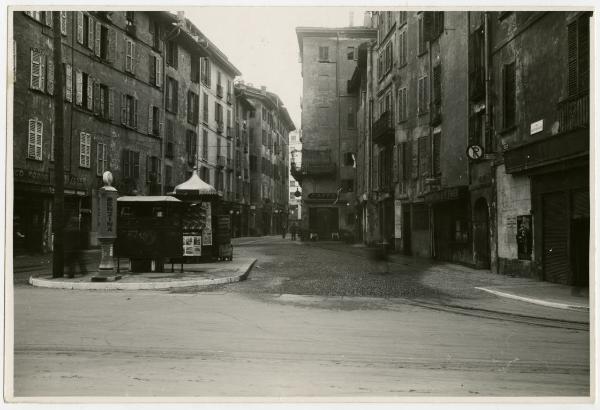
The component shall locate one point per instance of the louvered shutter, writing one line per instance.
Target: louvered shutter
(68, 83)
(78, 87)
(39, 131)
(42, 84)
(99, 159)
(158, 71)
(135, 112)
(34, 82)
(160, 122)
(555, 227)
(396, 163)
(90, 33)
(401, 159)
(31, 138)
(63, 23)
(112, 46)
(80, 27)
(50, 76)
(111, 104)
(97, 102)
(90, 93)
(572, 57)
(583, 53)
(415, 158)
(150, 119)
(123, 109)
(437, 84)
(48, 18)
(98, 38)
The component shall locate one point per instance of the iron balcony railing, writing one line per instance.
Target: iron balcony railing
(383, 128)
(574, 112)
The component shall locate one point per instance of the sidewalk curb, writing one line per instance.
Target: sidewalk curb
(53, 284)
(536, 301)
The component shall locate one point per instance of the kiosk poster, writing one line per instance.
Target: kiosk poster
(192, 245)
(207, 232)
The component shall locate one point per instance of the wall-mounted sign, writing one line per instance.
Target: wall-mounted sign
(475, 152)
(536, 127)
(323, 196)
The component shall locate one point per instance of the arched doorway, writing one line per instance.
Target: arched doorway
(481, 235)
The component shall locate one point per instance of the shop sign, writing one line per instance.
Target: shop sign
(32, 176)
(536, 127)
(107, 214)
(448, 194)
(322, 196)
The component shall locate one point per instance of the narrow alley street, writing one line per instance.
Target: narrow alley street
(312, 319)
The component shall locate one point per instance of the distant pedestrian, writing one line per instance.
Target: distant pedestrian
(283, 230)
(293, 230)
(74, 256)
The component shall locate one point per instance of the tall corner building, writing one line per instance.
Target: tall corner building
(329, 131)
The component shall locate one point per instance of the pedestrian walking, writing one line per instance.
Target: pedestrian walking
(283, 230)
(293, 230)
(74, 255)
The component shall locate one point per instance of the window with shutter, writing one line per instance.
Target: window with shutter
(90, 32)
(80, 27)
(97, 38)
(85, 141)
(101, 159)
(34, 144)
(63, 23)
(50, 77)
(52, 142)
(89, 84)
(509, 94)
(152, 69)
(68, 82)
(112, 46)
(78, 87)
(129, 56)
(37, 70)
(436, 153)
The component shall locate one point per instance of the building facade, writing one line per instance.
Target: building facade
(295, 197)
(473, 138)
(146, 96)
(268, 126)
(329, 129)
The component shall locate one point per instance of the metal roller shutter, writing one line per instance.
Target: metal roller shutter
(581, 204)
(555, 237)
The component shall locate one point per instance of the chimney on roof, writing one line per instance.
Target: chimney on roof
(351, 18)
(263, 90)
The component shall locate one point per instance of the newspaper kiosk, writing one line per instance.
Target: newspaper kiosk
(206, 234)
(149, 229)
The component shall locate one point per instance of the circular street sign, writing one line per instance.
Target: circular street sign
(475, 151)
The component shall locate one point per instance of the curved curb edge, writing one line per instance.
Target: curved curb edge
(45, 283)
(535, 301)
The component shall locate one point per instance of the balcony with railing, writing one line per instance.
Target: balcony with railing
(220, 127)
(383, 129)
(315, 163)
(574, 112)
(221, 162)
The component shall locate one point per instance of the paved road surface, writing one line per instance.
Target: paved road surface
(285, 333)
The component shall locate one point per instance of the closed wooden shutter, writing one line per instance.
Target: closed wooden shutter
(34, 81)
(152, 69)
(80, 27)
(158, 67)
(123, 108)
(437, 84)
(396, 161)
(436, 152)
(150, 119)
(90, 93)
(98, 38)
(125, 159)
(78, 87)
(583, 52)
(68, 82)
(111, 104)
(63, 23)
(50, 77)
(90, 33)
(554, 237)
(572, 57)
(112, 46)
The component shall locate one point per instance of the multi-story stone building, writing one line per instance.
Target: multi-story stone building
(540, 82)
(269, 125)
(134, 86)
(112, 109)
(329, 133)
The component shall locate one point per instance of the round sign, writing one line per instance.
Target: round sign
(475, 151)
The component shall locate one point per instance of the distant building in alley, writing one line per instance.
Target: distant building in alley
(269, 125)
(329, 134)
(295, 198)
